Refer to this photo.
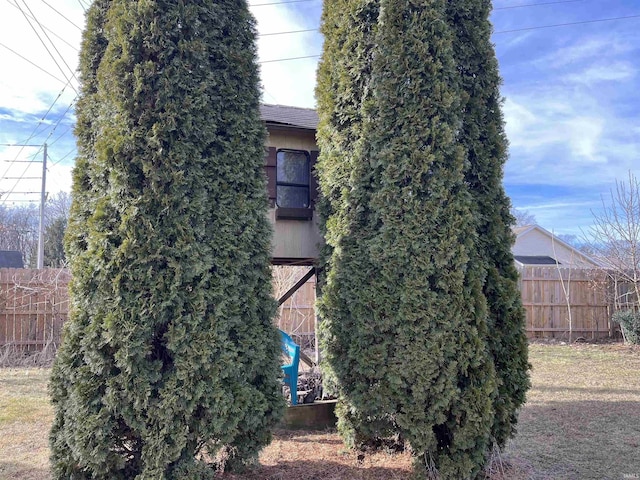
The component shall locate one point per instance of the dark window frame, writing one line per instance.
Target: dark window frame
(306, 185)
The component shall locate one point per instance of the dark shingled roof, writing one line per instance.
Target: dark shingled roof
(11, 259)
(305, 118)
(535, 260)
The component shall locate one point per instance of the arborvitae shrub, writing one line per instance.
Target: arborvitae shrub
(483, 137)
(343, 76)
(169, 355)
(403, 310)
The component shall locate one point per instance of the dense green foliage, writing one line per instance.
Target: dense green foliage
(404, 316)
(170, 353)
(630, 323)
(345, 68)
(483, 137)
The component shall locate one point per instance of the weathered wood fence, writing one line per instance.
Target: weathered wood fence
(297, 315)
(550, 293)
(34, 305)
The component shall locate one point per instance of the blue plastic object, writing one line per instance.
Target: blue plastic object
(292, 350)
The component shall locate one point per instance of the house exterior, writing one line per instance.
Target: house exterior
(290, 157)
(535, 246)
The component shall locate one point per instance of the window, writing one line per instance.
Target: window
(292, 179)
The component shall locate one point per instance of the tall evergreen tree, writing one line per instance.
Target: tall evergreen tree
(483, 137)
(344, 75)
(403, 308)
(170, 353)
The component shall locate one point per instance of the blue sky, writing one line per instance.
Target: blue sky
(572, 106)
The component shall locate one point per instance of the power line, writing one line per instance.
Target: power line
(16, 145)
(537, 4)
(63, 157)
(33, 133)
(568, 24)
(48, 29)
(496, 33)
(61, 14)
(44, 44)
(288, 59)
(12, 190)
(291, 31)
(34, 64)
(61, 135)
(59, 121)
(22, 176)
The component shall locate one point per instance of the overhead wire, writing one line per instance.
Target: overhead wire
(294, 32)
(68, 83)
(32, 63)
(33, 133)
(567, 24)
(62, 158)
(539, 27)
(26, 142)
(59, 137)
(537, 4)
(61, 14)
(22, 176)
(45, 45)
(48, 29)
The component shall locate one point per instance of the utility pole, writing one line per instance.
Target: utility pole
(43, 199)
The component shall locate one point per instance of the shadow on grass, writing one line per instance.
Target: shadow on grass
(590, 390)
(310, 437)
(580, 440)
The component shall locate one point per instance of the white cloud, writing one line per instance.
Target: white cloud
(602, 72)
(604, 45)
(535, 123)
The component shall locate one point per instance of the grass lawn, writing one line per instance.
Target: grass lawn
(581, 421)
(582, 417)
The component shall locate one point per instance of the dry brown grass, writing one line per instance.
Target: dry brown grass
(582, 421)
(582, 417)
(25, 419)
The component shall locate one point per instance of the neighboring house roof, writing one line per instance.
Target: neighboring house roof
(535, 260)
(523, 229)
(305, 118)
(534, 241)
(11, 259)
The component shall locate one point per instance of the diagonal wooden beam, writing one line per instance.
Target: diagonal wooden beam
(297, 286)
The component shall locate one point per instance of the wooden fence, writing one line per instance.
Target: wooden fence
(297, 315)
(33, 306)
(544, 296)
